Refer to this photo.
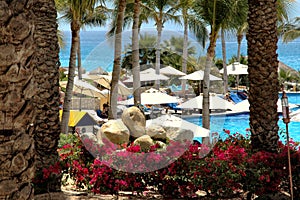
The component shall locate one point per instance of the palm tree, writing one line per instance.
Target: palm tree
(27, 61)
(136, 53)
(121, 6)
(241, 31)
(263, 75)
(236, 15)
(213, 13)
(161, 11)
(46, 100)
(291, 30)
(198, 28)
(76, 10)
(283, 8)
(90, 19)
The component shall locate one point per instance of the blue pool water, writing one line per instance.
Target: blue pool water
(293, 98)
(240, 122)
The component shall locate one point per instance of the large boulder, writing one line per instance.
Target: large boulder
(145, 142)
(115, 131)
(179, 134)
(135, 121)
(156, 132)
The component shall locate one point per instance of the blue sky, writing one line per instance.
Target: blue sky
(169, 26)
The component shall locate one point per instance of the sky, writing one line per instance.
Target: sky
(170, 26)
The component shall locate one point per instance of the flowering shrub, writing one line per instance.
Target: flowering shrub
(229, 170)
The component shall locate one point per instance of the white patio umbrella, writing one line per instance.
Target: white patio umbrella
(169, 120)
(152, 99)
(215, 102)
(236, 68)
(85, 88)
(98, 71)
(199, 75)
(171, 71)
(148, 75)
(244, 106)
(105, 80)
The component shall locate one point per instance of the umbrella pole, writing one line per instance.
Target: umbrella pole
(80, 101)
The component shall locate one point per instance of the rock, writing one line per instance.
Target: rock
(145, 142)
(179, 134)
(161, 144)
(115, 131)
(135, 121)
(156, 132)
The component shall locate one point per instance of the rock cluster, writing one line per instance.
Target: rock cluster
(131, 129)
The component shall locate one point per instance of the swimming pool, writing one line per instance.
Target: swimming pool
(240, 122)
(293, 97)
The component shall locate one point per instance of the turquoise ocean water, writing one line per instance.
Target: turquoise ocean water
(97, 50)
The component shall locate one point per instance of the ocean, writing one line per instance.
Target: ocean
(97, 50)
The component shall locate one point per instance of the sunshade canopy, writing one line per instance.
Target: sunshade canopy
(171, 71)
(148, 75)
(236, 68)
(105, 80)
(198, 76)
(85, 88)
(152, 99)
(75, 117)
(215, 102)
(244, 106)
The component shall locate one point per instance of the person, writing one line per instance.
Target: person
(227, 97)
(104, 113)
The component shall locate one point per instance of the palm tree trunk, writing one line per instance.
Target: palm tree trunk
(225, 77)
(136, 54)
(117, 60)
(239, 41)
(18, 89)
(263, 76)
(185, 51)
(206, 82)
(157, 52)
(79, 67)
(75, 27)
(46, 99)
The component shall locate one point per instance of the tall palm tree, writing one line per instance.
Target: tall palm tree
(263, 75)
(283, 9)
(235, 16)
(121, 6)
(135, 53)
(291, 30)
(76, 11)
(196, 26)
(29, 54)
(91, 19)
(135, 14)
(46, 74)
(161, 11)
(214, 13)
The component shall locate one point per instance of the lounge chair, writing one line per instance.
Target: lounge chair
(235, 98)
